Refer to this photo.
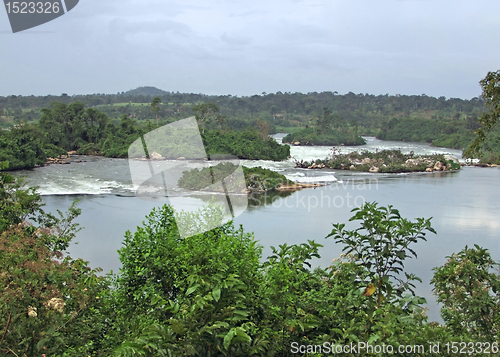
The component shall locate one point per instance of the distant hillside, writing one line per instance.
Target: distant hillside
(147, 91)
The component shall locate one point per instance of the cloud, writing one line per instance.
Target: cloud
(235, 40)
(388, 46)
(124, 26)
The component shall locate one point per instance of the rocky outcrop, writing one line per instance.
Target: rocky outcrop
(438, 166)
(385, 162)
(297, 186)
(61, 159)
(451, 158)
(155, 156)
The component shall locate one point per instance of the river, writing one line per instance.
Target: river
(465, 206)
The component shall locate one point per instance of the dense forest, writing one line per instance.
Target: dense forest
(73, 127)
(214, 294)
(330, 130)
(106, 124)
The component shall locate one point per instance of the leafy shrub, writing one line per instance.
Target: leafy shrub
(469, 290)
(198, 294)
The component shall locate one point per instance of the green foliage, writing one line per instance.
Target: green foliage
(337, 136)
(260, 179)
(155, 106)
(286, 292)
(195, 293)
(16, 203)
(256, 178)
(386, 161)
(24, 147)
(210, 295)
(381, 244)
(185, 301)
(90, 132)
(244, 145)
(489, 119)
(204, 112)
(470, 293)
(449, 132)
(48, 302)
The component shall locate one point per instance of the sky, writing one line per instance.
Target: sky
(220, 47)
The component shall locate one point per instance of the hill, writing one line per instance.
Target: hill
(146, 91)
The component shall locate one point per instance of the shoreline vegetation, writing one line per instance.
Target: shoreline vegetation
(330, 129)
(385, 161)
(331, 137)
(74, 128)
(216, 291)
(40, 128)
(257, 179)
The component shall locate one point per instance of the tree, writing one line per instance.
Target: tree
(273, 110)
(194, 294)
(469, 290)
(220, 119)
(263, 129)
(381, 244)
(489, 119)
(155, 106)
(48, 302)
(324, 122)
(203, 112)
(16, 204)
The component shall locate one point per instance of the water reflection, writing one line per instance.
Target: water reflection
(258, 199)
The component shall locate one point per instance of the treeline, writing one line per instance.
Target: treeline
(440, 121)
(212, 293)
(329, 137)
(330, 130)
(455, 134)
(63, 128)
(280, 109)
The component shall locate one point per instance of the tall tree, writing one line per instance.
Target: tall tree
(155, 106)
(490, 118)
(203, 112)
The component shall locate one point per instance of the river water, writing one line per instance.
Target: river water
(465, 206)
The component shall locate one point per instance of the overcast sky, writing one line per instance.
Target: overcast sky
(440, 48)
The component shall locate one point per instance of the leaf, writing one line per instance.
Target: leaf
(216, 294)
(228, 338)
(192, 289)
(373, 338)
(42, 342)
(370, 290)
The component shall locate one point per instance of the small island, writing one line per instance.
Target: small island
(257, 179)
(385, 161)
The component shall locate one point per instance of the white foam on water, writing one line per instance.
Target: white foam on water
(316, 179)
(81, 187)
